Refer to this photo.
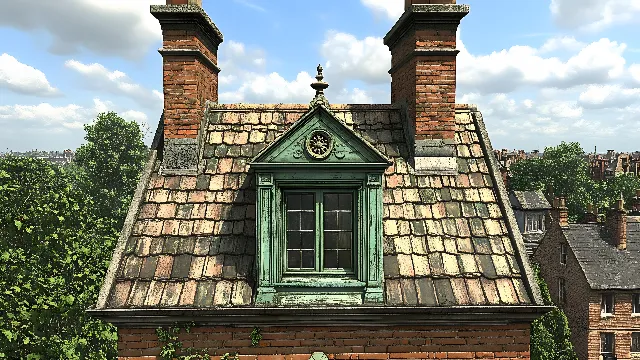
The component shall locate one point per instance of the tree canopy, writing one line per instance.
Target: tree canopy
(565, 170)
(56, 239)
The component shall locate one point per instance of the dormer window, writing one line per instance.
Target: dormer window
(606, 304)
(534, 223)
(319, 215)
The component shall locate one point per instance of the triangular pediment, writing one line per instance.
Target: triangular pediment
(318, 138)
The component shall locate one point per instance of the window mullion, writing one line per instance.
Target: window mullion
(319, 230)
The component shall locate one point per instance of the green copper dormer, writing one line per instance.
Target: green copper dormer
(319, 215)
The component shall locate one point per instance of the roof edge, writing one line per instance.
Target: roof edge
(503, 202)
(305, 107)
(366, 315)
(127, 229)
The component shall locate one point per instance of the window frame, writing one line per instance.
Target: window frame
(603, 336)
(564, 254)
(562, 291)
(275, 284)
(289, 273)
(603, 304)
(635, 304)
(635, 340)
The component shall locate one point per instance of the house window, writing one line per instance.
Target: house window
(606, 306)
(561, 291)
(319, 232)
(563, 254)
(607, 343)
(534, 223)
(319, 215)
(636, 303)
(635, 342)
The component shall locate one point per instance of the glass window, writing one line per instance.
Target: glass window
(319, 231)
(563, 254)
(606, 306)
(636, 303)
(635, 342)
(561, 291)
(606, 343)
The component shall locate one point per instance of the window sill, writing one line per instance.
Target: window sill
(635, 315)
(606, 315)
(335, 282)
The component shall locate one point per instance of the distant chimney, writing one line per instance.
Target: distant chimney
(616, 225)
(423, 77)
(559, 212)
(190, 78)
(591, 216)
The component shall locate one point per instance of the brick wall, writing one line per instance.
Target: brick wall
(576, 306)
(622, 323)
(415, 342)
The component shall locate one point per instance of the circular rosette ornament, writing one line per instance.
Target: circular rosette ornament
(319, 144)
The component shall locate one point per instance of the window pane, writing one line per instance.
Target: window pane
(635, 342)
(300, 231)
(338, 230)
(606, 342)
(636, 303)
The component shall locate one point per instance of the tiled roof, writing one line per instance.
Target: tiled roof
(604, 266)
(446, 238)
(531, 241)
(529, 200)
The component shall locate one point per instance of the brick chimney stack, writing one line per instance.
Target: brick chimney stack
(559, 212)
(190, 78)
(616, 225)
(423, 78)
(591, 216)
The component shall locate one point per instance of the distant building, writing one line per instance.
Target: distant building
(611, 164)
(56, 157)
(531, 209)
(593, 273)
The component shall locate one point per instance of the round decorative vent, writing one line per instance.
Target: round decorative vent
(319, 144)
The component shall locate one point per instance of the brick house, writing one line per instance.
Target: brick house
(531, 210)
(342, 231)
(593, 273)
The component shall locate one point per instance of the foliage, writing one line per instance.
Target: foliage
(256, 336)
(550, 334)
(112, 158)
(56, 240)
(172, 348)
(564, 169)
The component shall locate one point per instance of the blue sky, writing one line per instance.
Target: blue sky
(541, 71)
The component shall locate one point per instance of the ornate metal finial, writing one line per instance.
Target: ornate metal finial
(319, 86)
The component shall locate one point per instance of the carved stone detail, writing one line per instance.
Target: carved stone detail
(319, 144)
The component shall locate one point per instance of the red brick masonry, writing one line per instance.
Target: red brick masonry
(406, 342)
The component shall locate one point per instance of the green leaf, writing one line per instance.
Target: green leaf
(18, 224)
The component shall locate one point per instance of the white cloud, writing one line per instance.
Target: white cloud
(392, 9)
(113, 28)
(609, 96)
(634, 71)
(349, 58)
(271, 88)
(24, 79)
(593, 15)
(96, 76)
(522, 67)
(566, 43)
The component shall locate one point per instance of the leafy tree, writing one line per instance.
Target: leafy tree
(565, 169)
(550, 334)
(112, 158)
(562, 168)
(58, 229)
